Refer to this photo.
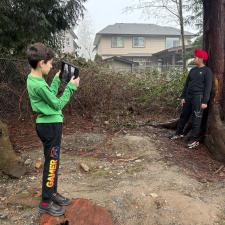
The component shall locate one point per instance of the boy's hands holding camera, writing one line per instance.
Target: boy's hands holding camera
(57, 74)
(75, 81)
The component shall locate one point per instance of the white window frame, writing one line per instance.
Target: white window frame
(116, 43)
(173, 45)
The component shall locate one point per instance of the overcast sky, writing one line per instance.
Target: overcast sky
(106, 12)
(102, 13)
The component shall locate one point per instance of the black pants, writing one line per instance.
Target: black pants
(192, 107)
(50, 135)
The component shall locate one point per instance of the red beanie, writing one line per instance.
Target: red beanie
(200, 53)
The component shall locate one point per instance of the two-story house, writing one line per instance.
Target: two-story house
(137, 42)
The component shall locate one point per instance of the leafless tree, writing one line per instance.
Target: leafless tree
(85, 35)
(174, 8)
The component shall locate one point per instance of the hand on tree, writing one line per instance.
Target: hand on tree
(182, 102)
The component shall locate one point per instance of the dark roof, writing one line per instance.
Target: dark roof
(138, 54)
(120, 59)
(130, 55)
(139, 29)
(171, 50)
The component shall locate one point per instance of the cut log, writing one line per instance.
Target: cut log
(168, 125)
(10, 163)
(172, 124)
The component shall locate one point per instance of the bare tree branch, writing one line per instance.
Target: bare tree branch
(152, 4)
(173, 7)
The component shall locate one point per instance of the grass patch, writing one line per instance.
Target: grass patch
(135, 169)
(101, 173)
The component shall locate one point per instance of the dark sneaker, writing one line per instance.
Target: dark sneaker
(51, 208)
(176, 136)
(60, 200)
(193, 144)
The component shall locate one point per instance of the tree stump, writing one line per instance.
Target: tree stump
(80, 212)
(10, 163)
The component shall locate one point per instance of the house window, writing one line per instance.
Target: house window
(138, 42)
(172, 42)
(117, 42)
(68, 41)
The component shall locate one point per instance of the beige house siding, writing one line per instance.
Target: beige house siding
(152, 45)
(156, 44)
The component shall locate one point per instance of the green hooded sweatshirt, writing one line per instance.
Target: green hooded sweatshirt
(44, 101)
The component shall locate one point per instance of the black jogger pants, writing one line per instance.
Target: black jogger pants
(192, 107)
(50, 135)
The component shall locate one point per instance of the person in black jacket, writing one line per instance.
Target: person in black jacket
(195, 97)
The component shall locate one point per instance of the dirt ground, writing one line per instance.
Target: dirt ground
(136, 173)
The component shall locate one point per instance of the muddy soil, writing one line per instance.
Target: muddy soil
(138, 175)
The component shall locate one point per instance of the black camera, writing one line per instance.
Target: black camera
(68, 70)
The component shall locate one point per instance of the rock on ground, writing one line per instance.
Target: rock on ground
(80, 212)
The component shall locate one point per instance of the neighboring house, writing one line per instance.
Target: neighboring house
(118, 64)
(69, 42)
(137, 42)
(171, 56)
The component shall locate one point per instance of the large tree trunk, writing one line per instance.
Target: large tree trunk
(214, 43)
(9, 161)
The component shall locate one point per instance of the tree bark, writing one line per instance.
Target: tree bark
(10, 163)
(214, 43)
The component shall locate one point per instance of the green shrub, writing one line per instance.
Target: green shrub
(105, 92)
(102, 93)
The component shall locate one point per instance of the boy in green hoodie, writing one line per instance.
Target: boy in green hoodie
(48, 108)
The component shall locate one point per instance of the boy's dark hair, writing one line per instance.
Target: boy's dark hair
(37, 52)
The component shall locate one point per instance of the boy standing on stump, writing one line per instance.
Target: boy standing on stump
(195, 97)
(48, 108)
